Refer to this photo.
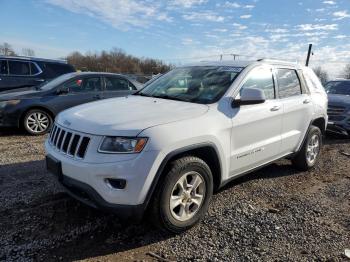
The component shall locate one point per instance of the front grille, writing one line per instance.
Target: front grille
(336, 118)
(336, 110)
(68, 142)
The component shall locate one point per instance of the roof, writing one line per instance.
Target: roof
(241, 63)
(30, 58)
(104, 74)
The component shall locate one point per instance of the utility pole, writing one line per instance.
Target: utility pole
(220, 57)
(234, 56)
(309, 53)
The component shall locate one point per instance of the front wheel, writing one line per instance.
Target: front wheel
(37, 122)
(309, 154)
(183, 196)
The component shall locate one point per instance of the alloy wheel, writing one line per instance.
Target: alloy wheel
(38, 122)
(187, 196)
(313, 149)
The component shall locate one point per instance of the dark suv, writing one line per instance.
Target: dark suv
(339, 106)
(17, 72)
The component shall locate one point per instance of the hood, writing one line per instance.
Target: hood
(339, 100)
(20, 93)
(127, 116)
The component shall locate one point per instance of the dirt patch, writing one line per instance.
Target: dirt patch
(276, 213)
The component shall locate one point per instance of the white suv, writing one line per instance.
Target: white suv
(167, 148)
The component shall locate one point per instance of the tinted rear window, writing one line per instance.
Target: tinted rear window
(53, 70)
(19, 68)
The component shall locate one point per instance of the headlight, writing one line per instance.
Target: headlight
(122, 145)
(9, 103)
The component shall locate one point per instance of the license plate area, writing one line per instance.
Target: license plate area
(54, 166)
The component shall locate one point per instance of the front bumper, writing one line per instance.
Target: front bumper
(91, 179)
(339, 125)
(88, 195)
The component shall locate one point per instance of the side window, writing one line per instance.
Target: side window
(117, 84)
(288, 83)
(19, 68)
(3, 67)
(33, 69)
(53, 70)
(83, 85)
(261, 78)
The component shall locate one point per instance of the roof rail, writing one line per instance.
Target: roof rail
(271, 60)
(34, 58)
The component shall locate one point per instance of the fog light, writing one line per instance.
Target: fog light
(116, 183)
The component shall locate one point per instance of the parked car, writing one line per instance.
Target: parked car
(168, 147)
(17, 71)
(339, 106)
(35, 108)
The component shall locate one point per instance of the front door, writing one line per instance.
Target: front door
(256, 129)
(80, 90)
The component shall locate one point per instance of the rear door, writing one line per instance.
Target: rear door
(80, 90)
(297, 108)
(19, 74)
(116, 86)
(256, 129)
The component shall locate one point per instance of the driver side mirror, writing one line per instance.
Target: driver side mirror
(250, 96)
(62, 90)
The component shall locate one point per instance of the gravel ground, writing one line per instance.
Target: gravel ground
(274, 214)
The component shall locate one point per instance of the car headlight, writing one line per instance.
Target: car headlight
(9, 103)
(122, 145)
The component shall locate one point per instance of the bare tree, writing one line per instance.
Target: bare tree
(6, 49)
(347, 72)
(28, 52)
(322, 74)
(116, 61)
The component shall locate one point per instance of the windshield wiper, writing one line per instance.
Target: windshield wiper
(169, 97)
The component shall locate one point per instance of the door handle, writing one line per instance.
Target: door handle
(40, 80)
(275, 108)
(306, 101)
(97, 97)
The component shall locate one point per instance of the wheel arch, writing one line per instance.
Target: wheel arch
(320, 122)
(208, 152)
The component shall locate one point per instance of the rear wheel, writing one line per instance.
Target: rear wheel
(183, 196)
(309, 154)
(37, 122)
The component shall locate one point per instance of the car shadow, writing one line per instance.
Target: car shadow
(37, 210)
(280, 168)
(7, 131)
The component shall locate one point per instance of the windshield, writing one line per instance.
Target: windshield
(55, 82)
(198, 84)
(338, 87)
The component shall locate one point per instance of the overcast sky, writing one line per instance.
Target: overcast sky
(180, 31)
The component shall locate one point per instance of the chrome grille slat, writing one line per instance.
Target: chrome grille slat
(78, 145)
(68, 142)
(335, 110)
(63, 139)
(59, 130)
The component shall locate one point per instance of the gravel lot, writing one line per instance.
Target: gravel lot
(276, 213)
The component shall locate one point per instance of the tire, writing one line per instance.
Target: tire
(37, 122)
(303, 160)
(190, 208)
